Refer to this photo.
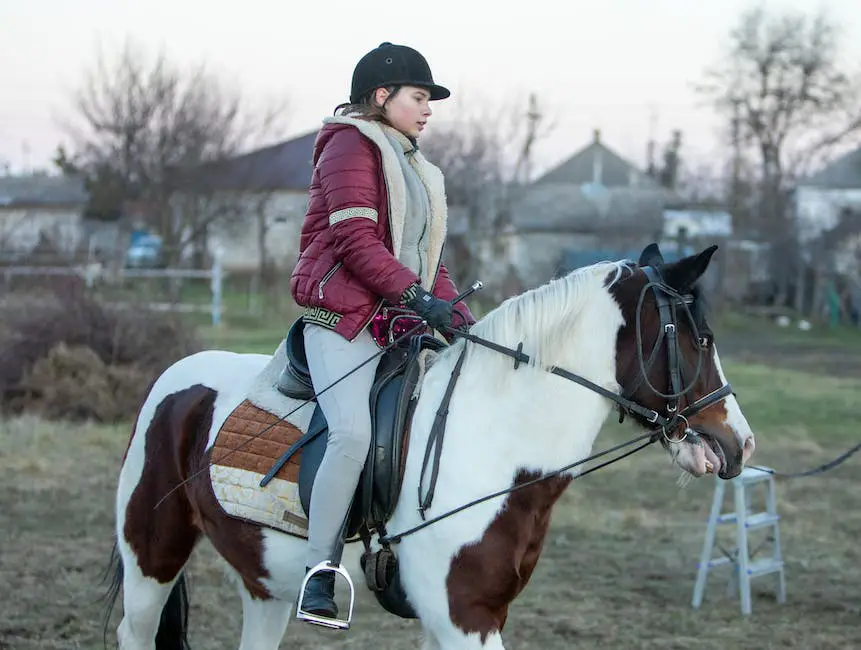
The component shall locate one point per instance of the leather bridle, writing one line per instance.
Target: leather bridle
(668, 301)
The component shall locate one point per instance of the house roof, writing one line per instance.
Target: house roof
(844, 173)
(563, 207)
(597, 163)
(42, 190)
(284, 166)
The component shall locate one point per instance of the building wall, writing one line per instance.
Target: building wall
(818, 209)
(535, 257)
(20, 228)
(237, 237)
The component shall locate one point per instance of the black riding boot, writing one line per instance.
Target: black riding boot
(319, 597)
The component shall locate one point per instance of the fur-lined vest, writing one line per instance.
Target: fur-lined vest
(353, 232)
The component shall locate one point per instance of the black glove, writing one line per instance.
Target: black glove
(436, 312)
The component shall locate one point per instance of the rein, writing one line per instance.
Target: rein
(650, 437)
(229, 452)
(664, 424)
(821, 469)
(394, 342)
(650, 415)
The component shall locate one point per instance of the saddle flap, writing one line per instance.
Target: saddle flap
(393, 401)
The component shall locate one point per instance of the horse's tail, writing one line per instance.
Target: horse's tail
(172, 628)
(115, 572)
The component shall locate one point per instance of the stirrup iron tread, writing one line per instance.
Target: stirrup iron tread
(333, 623)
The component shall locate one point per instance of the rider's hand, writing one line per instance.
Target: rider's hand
(459, 321)
(437, 313)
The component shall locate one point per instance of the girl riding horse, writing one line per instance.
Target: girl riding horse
(373, 234)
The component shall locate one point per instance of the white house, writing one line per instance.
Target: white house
(42, 209)
(697, 223)
(263, 195)
(828, 207)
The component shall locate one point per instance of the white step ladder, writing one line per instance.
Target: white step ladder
(745, 568)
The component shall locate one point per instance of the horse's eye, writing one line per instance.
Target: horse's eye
(705, 341)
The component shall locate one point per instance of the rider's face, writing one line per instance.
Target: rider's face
(408, 109)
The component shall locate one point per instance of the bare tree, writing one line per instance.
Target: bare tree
(144, 130)
(788, 102)
(486, 157)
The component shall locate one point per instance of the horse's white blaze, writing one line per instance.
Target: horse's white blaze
(693, 457)
(735, 419)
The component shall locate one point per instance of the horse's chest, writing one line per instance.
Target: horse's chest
(485, 577)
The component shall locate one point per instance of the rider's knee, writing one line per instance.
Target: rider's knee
(353, 443)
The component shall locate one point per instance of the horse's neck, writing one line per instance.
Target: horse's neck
(528, 417)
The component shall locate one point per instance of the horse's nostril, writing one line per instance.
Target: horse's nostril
(749, 446)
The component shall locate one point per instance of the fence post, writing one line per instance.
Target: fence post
(216, 285)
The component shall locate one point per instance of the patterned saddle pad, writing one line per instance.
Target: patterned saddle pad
(236, 475)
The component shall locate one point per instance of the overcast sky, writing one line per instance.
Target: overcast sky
(624, 66)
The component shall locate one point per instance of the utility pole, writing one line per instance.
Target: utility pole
(523, 170)
(650, 147)
(735, 172)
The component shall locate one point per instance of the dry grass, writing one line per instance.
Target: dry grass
(617, 571)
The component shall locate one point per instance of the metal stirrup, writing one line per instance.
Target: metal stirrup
(334, 565)
(334, 623)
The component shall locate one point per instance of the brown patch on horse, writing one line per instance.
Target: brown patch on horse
(626, 292)
(712, 420)
(486, 577)
(163, 537)
(252, 439)
(137, 417)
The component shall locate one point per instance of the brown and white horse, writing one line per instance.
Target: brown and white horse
(505, 426)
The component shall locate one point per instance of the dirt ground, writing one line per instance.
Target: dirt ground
(618, 568)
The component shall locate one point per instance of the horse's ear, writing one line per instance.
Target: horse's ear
(682, 275)
(651, 256)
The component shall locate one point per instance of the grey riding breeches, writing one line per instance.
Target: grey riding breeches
(348, 414)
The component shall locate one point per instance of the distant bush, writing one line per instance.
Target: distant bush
(65, 354)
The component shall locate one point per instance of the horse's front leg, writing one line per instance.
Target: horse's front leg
(429, 641)
(472, 610)
(455, 639)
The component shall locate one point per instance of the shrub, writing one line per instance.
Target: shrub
(67, 355)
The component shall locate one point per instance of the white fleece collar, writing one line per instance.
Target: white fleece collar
(431, 177)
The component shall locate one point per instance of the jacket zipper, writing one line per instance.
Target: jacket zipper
(370, 318)
(326, 278)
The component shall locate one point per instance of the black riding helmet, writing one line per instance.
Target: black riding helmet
(393, 65)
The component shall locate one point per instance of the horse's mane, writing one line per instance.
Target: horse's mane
(541, 317)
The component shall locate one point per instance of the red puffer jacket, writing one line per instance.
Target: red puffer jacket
(351, 234)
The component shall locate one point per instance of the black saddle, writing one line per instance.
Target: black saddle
(392, 402)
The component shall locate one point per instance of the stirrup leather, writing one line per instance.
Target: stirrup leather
(334, 623)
